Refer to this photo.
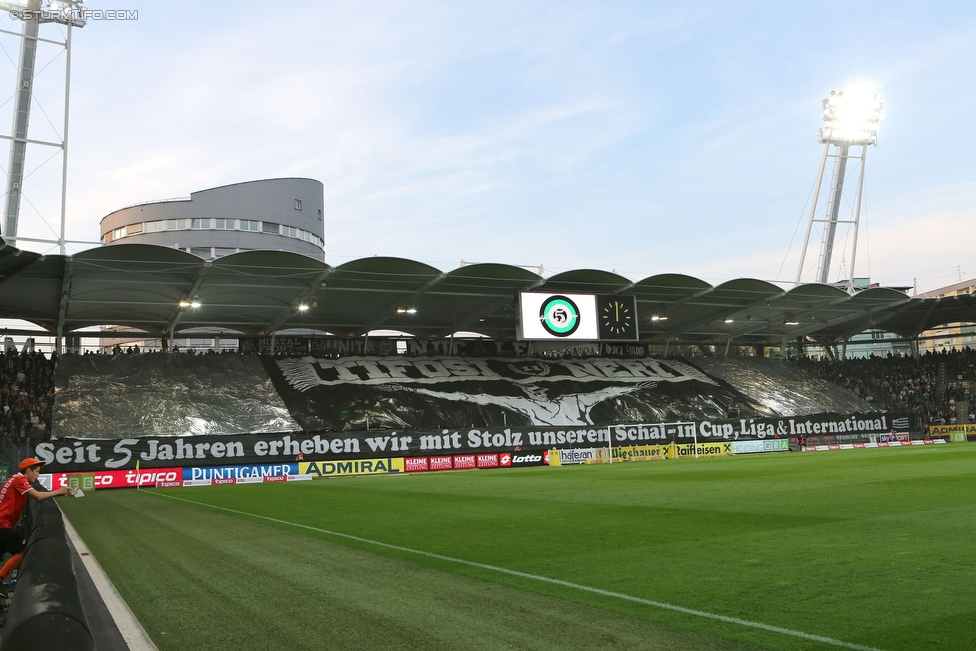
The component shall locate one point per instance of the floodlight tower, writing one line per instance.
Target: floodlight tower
(34, 13)
(851, 120)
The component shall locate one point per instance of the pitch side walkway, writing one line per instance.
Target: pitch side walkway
(113, 626)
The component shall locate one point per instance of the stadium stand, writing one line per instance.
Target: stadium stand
(935, 386)
(27, 398)
(156, 394)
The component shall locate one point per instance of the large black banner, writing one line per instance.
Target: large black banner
(400, 392)
(391, 346)
(188, 451)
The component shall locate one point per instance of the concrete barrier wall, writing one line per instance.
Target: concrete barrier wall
(46, 612)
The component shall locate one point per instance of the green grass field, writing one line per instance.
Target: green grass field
(873, 548)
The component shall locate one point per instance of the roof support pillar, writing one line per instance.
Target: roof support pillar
(63, 308)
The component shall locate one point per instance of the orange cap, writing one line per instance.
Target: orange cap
(29, 462)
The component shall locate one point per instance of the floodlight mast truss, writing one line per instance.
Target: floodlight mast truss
(851, 121)
(69, 13)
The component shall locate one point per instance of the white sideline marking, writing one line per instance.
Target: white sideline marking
(576, 586)
(133, 633)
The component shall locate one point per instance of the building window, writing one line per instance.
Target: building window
(228, 224)
(133, 229)
(269, 227)
(119, 232)
(175, 224)
(200, 223)
(289, 231)
(298, 204)
(154, 227)
(250, 225)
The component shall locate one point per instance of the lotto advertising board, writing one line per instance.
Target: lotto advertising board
(516, 459)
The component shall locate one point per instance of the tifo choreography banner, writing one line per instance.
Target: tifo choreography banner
(306, 372)
(400, 392)
(261, 449)
(390, 346)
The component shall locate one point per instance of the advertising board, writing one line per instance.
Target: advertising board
(487, 460)
(688, 450)
(351, 467)
(116, 478)
(241, 472)
(752, 447)
(416, 464)
(576, 456)
(441, 463)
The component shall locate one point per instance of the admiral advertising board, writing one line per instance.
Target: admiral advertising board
(351, 467)
(958, 433)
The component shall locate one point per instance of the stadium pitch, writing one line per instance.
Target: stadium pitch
(862, 549)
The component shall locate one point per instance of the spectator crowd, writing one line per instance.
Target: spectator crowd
(26, 396)
(936, 386)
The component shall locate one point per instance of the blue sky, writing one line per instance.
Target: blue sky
(645, 137)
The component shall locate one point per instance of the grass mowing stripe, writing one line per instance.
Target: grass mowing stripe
(544, 579)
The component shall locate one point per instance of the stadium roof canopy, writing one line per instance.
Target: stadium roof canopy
(258, 293)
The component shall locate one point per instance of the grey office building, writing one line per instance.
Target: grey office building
(275, 214)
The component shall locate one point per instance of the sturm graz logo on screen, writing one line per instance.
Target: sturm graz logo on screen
(559, 316)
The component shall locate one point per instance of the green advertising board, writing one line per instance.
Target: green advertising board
(84, 481)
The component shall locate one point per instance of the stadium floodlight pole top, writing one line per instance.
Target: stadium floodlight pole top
(62, 12)
(851, 116)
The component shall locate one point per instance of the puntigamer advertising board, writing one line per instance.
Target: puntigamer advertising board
(74, 455)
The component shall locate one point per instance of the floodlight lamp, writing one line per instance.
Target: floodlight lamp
(302, 307)
(729, 320)
(851, 116)
(411, 310)
(195, 304)
(791, 322)
(184, 303)
(659, 318)
(14, 6)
